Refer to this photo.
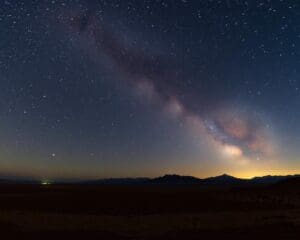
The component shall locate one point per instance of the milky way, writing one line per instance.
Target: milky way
(241, 133)
(142, 88)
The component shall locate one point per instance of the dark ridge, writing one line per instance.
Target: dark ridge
(271, 179)
(118, 181)
(291, 183)
(168, 179)
(175, 179)
(224, 180)
(16, 181)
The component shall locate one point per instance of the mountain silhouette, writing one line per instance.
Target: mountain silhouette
(289, 184)
(175, 179)
(170, 179)
(224, 180)
(118, 181)
(269, 179)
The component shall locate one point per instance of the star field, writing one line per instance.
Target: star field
(147, 87)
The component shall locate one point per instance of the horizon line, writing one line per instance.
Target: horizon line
(32, 178)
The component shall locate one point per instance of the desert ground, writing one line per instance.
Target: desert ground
(149, 212)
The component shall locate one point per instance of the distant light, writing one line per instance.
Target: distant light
(45, 182)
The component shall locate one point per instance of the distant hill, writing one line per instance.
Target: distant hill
(118, 181)
(175, 179)
(291, 183)
(218, 180)
(18, 180)
(224, 180)
(169, 179)
(271, 179)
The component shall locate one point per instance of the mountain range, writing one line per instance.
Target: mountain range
(174, 179)
(169, 179)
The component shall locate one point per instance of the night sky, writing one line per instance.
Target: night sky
(130, 88)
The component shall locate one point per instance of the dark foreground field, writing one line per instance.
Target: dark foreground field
(149, 212)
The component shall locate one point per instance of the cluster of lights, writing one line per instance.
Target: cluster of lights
(45, 182)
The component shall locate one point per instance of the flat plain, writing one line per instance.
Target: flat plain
(149, 212)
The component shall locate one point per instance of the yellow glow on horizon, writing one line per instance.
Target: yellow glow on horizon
(266, 172)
